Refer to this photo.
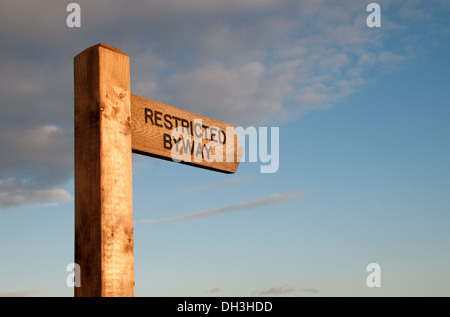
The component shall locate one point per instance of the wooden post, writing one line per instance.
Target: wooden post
(103, 173)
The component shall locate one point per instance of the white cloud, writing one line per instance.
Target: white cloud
(231, 92)
(390, 61)
(254, 79)
(14, 193)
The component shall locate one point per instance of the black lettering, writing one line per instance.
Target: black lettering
(222, 137)
(175, 139)
(192, 148)
(167, 142)
(158, 117)
(208, 151)
(168, 124)
(184, 131)
(199, 152)
(176, 121)
(176, 142)
(148, 115)
(197, 133)
(186, 146)
(213, 134)
(205, 132)
(184, 124)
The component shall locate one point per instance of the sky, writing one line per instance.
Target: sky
(364, 158)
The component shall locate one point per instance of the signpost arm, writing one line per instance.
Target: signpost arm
(103, 173)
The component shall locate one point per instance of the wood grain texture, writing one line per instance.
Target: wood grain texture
(152, 124)
(103, 173)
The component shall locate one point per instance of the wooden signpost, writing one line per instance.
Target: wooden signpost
(110, 124)
(200, 141)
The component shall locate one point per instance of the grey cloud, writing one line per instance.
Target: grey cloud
(34, 165)
(42, 156)
(242, 61)
(35, 93)
(308, 58)
(19, 194)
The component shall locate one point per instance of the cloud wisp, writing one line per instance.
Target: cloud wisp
(283, 290)
(272, 199)
(310, 290)
(278, 290)
(26, 293)
(214, 290)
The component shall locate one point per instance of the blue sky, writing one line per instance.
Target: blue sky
(364, 137)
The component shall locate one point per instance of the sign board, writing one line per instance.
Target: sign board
(170, 133)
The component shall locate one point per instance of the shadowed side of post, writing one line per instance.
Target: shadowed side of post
(103, 173)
